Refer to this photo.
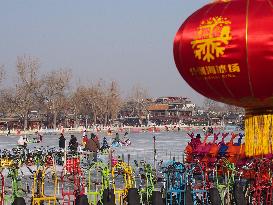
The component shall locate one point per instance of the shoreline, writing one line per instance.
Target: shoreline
(129, 129)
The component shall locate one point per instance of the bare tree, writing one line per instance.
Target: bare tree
(210, 105)
(54, 86)
(6, 97)
(114, 98)
(3, 92)
(112, 102)
(136, 101)
(88, 100)
(139, 93)
(233, 109)
(2, 72)
(76, 103)
(96, 101)
(23, 97)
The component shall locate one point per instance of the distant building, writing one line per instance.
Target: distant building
(190, 105)
(166, 110)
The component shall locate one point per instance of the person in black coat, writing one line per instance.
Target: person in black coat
(62, 141)
(73, 144)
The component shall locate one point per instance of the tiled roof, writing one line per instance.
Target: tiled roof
(158, 107)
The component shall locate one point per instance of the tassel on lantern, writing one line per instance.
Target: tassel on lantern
(258, 134)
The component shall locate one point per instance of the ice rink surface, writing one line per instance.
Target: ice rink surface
(167, 144)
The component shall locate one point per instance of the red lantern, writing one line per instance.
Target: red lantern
(225, 52)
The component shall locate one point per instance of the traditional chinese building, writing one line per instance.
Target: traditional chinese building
(167, 110)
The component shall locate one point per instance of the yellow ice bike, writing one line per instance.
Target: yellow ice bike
(44, 177)
(123, 180)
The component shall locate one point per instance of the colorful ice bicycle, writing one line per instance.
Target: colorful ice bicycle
(122, 172)
(98, 181)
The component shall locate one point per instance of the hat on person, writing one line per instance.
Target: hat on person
(198, 136)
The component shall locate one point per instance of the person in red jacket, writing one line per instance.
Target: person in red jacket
(93, 145)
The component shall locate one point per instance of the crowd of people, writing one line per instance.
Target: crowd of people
(90, 144)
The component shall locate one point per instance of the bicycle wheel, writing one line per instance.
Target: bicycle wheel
(238, 194)
(214, 196)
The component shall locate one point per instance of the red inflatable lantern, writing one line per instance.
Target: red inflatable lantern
(225, 52)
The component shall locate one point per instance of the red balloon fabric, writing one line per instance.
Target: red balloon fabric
(225, 52)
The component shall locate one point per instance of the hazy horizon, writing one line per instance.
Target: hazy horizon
(130, 42)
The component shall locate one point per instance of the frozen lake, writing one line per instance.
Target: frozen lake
(168, 144)
(142, 144)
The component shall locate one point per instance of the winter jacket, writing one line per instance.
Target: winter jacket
(62, 142)
(92, 145)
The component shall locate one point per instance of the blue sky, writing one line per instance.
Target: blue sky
(124, 40)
